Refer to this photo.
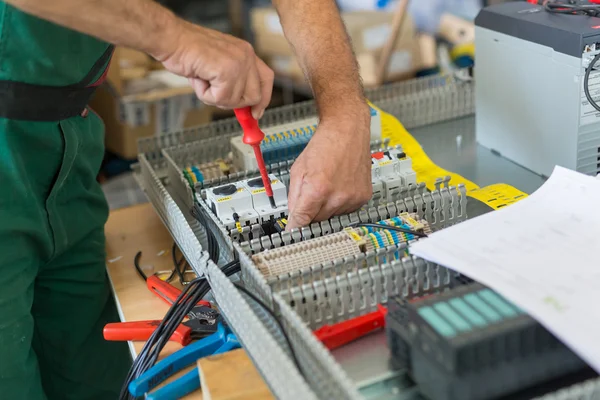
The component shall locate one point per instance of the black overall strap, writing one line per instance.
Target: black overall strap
(29, 102)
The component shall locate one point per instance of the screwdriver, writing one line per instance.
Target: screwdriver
(254, 136)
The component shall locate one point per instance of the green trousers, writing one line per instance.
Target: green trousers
(54, 292)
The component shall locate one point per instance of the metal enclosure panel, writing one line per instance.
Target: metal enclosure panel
(528, 101)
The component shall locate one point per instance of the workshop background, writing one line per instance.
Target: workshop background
(141, 99)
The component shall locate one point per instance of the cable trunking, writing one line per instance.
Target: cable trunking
(356, 267)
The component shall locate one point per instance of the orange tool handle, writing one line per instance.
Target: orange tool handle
(142, 330)
(167, 292)
(337, 335)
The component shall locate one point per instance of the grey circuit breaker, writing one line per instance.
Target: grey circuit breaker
(469, 343)
(530, 102)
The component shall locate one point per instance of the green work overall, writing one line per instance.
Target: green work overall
(54, 292)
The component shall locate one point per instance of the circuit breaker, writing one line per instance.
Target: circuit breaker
(248, 201)
(260, 201)
(530, 102)
(391, 170)
(230, 199)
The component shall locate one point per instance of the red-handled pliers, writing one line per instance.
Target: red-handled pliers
(167, 292)
(204, 323)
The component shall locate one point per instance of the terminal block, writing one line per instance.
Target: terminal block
(207, 171)
(349, 242)
(391, 171)
(286, 142)
(312, 252)
(382, 238)
(469, 343)
(440, 208)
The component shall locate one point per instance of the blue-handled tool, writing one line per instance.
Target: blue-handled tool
(221, 341)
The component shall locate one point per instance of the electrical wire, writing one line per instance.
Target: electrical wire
(136, 263)
(279, 324)
(581, 9)
(213, 245)
(391, 228)
(573, 9)
(586, 82)
(178, 266)
(175, 263)
(147, 357)
(195, 291)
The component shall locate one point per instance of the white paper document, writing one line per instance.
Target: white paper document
(542, 253)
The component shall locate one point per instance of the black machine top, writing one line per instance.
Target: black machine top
(565, 33)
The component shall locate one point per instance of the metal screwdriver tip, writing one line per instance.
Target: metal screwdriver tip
(272, 201)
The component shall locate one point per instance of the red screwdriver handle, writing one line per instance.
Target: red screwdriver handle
(142, 330)
(336, 335)
(167, 292)
(252, 133)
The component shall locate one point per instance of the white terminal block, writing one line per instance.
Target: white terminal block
(260, 200)
(229, 199)
(243, 154)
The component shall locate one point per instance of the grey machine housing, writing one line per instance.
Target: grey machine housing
(530, 103)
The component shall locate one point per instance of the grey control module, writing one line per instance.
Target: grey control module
(531, 105)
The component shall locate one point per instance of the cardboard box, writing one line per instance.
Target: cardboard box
(268, 34)
(138, 101)
(404, 63)
(456, 30)
(368, 31)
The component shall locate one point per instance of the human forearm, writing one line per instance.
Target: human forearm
(318, 36)
(140, 24)
(224, 71)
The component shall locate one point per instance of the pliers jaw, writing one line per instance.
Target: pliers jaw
(203, 321)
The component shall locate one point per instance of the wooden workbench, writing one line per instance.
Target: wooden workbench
(128, 231)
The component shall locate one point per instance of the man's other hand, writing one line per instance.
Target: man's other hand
(332, 176)
(223, 70)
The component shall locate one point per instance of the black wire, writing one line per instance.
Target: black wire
(279, 324)
(391, 228)
(185, 302)
(563, 8)
(170, 278)
(152, 348)
(136, 368)
(233, 265)
(174, 322)
(138, 256)
(177, 264)
(136, 263)
(213, 245)
(586, 82)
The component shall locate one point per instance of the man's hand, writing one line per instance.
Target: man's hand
(332, 176)
(223, 70)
